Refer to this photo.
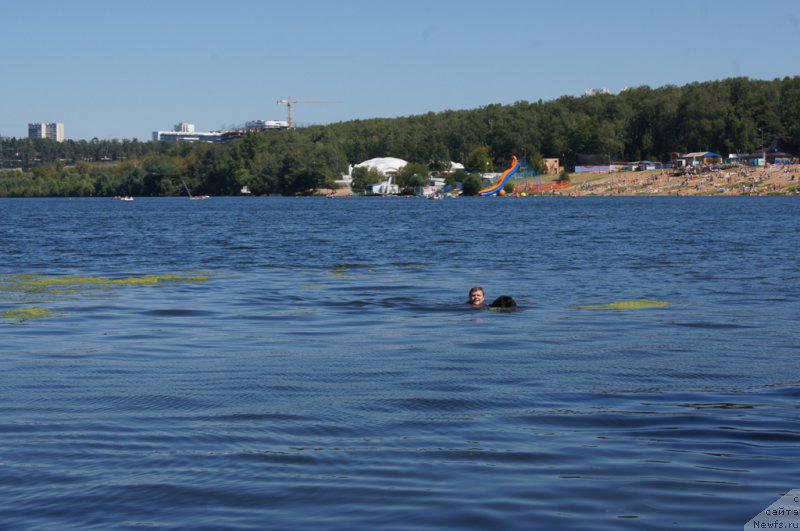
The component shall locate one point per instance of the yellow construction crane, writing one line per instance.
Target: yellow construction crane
(289, 102)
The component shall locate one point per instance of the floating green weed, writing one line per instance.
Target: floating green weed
(70, 284)
(63, 292)
(23, 314)
(644, 304)
(73, 280)
(340, 271)
(34, 289)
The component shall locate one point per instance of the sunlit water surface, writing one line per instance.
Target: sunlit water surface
(275, 363)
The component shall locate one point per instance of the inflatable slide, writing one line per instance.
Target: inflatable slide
(501, 182)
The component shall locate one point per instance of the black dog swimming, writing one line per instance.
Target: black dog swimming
(503, 301)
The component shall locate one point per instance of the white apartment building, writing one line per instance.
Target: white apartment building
(53, 131)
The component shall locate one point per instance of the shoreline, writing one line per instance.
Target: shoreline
(732, 181)
(776, 179)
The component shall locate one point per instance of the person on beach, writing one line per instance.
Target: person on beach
(476, 296)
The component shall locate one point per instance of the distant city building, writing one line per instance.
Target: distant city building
(597, 91)
(186, 136)
(53, 131)
(261, 125)
(185, 132)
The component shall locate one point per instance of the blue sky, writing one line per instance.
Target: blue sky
(113, 69)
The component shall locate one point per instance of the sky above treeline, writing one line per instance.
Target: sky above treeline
(121, 70)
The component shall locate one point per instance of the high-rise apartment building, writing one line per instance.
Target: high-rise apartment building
(53, 131)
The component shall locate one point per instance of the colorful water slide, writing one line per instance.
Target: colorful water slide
(501, 182)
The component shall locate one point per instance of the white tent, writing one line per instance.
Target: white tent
(385, 165)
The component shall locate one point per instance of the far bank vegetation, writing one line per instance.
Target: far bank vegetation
(736, 115)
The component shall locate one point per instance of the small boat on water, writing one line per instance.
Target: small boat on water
(193, 197)
(123, 198)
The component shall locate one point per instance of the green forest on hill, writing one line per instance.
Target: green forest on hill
(736, 115)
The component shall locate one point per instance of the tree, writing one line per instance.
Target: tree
(536, 162)
(472, 185)
(411, 175)
(790, 110)
(480, 159)
(363, 177)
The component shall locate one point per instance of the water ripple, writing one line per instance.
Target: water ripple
(337, 380)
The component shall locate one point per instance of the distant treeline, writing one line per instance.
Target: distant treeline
(736, 115)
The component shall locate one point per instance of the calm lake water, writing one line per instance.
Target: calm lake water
(277, 363)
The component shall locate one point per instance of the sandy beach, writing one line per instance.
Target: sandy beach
(736, 180)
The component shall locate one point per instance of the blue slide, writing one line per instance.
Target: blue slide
(501, 182)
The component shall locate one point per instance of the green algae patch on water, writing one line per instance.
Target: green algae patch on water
(37, 289)
(64, 292)
(34, 289)
(72, 283)
(644, 304)
(158, 279)
(340, 271)
(24, 314)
